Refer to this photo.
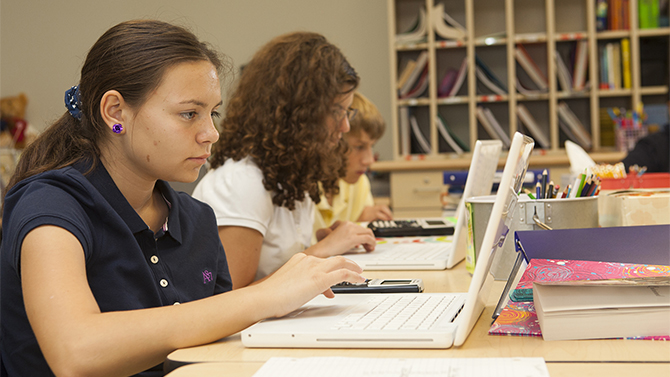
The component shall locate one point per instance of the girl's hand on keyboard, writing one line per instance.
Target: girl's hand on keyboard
(304, 277)
(340, 238)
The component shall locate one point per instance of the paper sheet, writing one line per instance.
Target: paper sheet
(395, 367)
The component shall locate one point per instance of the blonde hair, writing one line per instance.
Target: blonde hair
(368, 118)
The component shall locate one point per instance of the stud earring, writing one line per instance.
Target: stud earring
(117, 128)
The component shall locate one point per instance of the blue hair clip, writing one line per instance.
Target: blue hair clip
(72, 102)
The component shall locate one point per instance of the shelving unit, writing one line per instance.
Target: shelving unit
(494, 28)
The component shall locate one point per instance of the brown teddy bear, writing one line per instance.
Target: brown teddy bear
(13, 125)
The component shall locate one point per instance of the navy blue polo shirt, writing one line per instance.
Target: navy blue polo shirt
(127, 266)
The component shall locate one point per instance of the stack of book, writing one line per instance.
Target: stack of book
(491, 125)
(572, 127)
(413, 80)
(445, 26)
(488, 78)
(416, 33)
(615, 70)
(572, 72)
(452, 81)
(615, 14)
(532, 70)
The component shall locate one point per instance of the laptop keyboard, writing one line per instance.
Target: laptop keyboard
(413, 252)
(400, 312)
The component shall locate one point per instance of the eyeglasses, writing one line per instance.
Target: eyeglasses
(339, 113)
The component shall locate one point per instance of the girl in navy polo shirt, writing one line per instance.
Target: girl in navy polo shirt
(105, 268)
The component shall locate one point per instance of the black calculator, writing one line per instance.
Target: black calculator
(412, 227)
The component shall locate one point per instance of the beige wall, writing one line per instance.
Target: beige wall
(43, 43)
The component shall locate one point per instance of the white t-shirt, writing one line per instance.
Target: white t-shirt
(235, 191)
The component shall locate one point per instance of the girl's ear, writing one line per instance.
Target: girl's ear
(114, 110)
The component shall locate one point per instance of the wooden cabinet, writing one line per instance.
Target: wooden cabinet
(417, 193)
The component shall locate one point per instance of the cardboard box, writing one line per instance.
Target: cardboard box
(634, 207)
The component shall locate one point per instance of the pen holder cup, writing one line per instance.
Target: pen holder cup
(566, 213)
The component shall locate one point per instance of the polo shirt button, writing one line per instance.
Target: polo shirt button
(176, 303)
(154, 259)
(164, 283)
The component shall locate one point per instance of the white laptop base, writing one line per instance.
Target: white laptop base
(402, 253)
(332, 323)
(447, 253)
(361, 321)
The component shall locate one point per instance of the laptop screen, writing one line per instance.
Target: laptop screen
(496, 232)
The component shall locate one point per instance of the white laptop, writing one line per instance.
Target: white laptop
(436, 253)
(425, 320)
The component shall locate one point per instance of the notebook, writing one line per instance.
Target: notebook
(420, 320)
(436, 253)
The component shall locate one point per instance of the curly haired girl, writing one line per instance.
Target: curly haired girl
(280, 138)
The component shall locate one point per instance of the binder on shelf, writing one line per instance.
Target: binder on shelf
(612, 66)
(648, 11)
(415, 75)
(604, 75)
(456, 144)
(403, 120)
(581, 64)
(447, 82)
(563, 73)
(445, 26)
(601, 15)
(527, 92)
(420, 86)
(531, 68)
(616, 65)
(417, 33)
(491, 125)
(450, 86)
(618, 15)
(529, 123)
(418, 136)
(580, 134)
(625, 63)
(488, 78)
(406, 72)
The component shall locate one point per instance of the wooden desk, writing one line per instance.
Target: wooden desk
(478, 344)
(247, 369)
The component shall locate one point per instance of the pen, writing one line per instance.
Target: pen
(543, 191)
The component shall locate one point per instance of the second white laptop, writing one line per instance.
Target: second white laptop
(398, 320)
(437, 253)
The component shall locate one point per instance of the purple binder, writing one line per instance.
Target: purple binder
(649, 244)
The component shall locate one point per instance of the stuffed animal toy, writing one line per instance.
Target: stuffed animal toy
(13, 126)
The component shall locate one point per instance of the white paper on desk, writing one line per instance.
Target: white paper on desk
(395, 367)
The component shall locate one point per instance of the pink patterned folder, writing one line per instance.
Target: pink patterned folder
(519, 318)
